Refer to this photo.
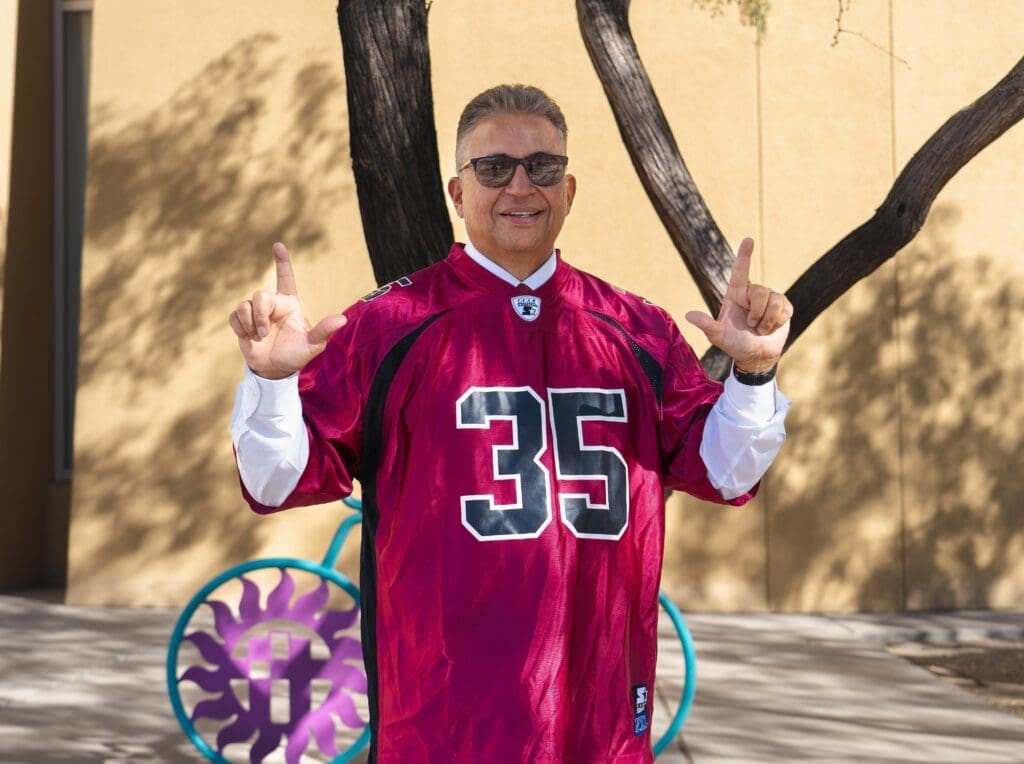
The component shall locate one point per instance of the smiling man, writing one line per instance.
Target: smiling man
(509, 216)
(513, 423)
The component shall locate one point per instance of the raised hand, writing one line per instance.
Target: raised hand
(753, 323)
(273, 333)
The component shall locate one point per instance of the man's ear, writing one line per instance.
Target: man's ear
(570, 192)
(455, 192)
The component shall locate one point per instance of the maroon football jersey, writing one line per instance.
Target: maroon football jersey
(513, 446)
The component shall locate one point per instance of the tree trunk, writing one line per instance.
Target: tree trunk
(393, 140)
(604, 25)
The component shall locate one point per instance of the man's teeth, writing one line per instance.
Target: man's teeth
(521, 214)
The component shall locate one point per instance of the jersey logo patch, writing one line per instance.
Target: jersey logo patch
(527, 306)
(641, 718)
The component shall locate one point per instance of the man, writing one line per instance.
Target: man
(513, 423)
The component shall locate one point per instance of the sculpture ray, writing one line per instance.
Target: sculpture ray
(241, 730)
(334, 621)
(264, 745)
(308, 605)
(277, 602)
(222, 707)
(224, 622)
(205, 679)
(249, 602)
(209, 648)
(342, 705)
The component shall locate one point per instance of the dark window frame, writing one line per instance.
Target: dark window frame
(68, 218)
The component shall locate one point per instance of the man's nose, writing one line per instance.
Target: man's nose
(520, 183)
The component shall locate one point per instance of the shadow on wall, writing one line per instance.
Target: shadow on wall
(182, 206)
(961, 412)
(190, 187)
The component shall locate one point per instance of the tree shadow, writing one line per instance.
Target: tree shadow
(933, 427)
(183, 203)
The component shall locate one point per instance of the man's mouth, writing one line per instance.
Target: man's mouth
(521, 214)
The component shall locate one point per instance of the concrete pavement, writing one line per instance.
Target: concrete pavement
(81, 685)
(785, 688)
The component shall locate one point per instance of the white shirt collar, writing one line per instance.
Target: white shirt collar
(535, 280)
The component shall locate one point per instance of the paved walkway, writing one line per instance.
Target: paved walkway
(81, 685)
(788, 688)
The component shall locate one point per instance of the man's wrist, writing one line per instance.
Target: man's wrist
(270, 375)
(754, 376)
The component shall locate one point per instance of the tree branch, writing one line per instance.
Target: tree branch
(906, 206)
(605, 28)
(652, 148)
(393, 139)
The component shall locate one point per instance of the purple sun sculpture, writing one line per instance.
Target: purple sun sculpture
(236, 654)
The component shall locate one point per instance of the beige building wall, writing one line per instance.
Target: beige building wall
(211, 140)
(961, 321)
(833, 525)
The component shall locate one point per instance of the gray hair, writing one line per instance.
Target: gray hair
(505, 100)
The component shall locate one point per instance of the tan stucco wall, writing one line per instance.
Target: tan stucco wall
(961, 326)
(211, 140)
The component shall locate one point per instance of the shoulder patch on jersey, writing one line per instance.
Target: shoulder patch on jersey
(381, 291)
(527, 306)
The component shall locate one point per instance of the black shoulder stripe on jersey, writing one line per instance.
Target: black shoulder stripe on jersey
(651, 367)
(373, 448)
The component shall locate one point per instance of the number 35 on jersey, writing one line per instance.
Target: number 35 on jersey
(521, 462)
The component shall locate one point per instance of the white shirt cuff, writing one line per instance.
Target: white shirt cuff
(271, 445)
(742, 436)
(750, 403)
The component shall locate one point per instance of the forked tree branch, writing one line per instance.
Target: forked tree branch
(649, 141)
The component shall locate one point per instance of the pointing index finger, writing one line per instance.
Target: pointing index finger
(285, 275)
(739, 278)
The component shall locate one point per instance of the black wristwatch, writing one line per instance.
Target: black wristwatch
(754, 377)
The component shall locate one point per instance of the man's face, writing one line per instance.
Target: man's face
(515, 225)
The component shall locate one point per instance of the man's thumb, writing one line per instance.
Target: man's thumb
(702, 321)
(320, 333)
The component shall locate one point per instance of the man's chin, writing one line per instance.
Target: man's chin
(526, 251)
(526, 242)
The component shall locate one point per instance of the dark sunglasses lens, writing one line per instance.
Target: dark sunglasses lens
(544, 170)
(495, 171)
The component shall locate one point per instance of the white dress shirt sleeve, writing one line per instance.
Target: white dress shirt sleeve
(271, 444)
(742, 435)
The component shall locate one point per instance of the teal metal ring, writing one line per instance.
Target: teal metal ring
(690, 681)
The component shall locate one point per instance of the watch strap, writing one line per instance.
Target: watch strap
(754, 377)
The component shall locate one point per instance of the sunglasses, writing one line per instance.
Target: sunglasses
(497, 170)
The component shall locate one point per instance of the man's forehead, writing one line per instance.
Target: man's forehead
(510, 129)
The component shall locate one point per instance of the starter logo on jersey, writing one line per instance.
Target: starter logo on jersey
(527, 306)
(641, 719)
